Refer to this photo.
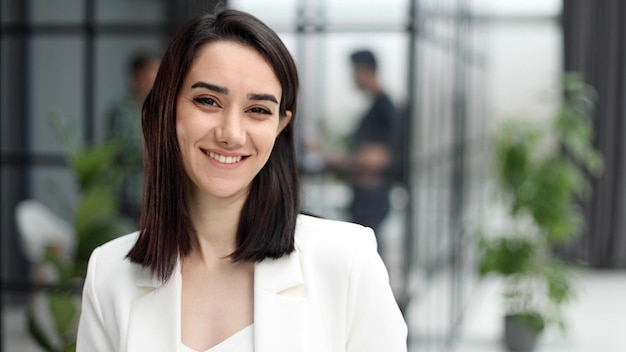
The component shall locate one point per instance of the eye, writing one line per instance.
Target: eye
(259, 110)
(205, 101)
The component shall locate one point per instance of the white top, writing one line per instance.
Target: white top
(241, 341)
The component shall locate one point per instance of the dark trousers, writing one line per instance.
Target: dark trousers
(369, 208)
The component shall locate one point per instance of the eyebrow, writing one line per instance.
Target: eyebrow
(209, 86)
(267, 97)
(224, 90)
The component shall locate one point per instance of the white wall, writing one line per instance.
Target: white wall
(523, 45)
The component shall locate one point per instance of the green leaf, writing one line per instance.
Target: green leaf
(97, 205)
(64, 270)
(93, 166)
(534, 319)
(507, 256)
(38, 334)
(64, 133)
(558, 282)
(70, 347)
(64, 312)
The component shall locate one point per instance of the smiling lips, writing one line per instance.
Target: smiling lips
(223, 159)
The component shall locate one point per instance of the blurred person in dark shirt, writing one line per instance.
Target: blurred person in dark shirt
(124, 126)
(368, 164)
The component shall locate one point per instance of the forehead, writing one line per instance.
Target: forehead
(233, 65)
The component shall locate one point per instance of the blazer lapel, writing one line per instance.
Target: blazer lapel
(280, 309)
(154, 323)
(280, 306)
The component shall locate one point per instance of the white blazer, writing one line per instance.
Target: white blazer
(331, 294)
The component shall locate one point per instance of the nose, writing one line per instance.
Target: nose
(231, 132)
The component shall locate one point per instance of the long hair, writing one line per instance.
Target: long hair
(267, 223)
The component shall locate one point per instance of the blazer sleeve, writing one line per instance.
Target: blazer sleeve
(375, 322)
(92, 336)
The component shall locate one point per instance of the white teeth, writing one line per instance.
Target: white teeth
(225, 159)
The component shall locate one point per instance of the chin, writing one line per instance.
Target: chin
(226, 192)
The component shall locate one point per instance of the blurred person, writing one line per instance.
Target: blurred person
(225, 260)
(368, 164)
(124, 125)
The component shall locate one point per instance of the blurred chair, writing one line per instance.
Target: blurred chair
(40, 228)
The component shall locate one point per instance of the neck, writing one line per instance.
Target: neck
(374, 88)
(215, 222)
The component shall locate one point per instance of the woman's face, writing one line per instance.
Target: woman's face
(227, 119)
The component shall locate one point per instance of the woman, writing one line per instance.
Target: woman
(224, 260)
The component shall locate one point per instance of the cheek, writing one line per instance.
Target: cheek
(181, 132)
(184, 124)
(181, 136)
(184, 134)
(269, 139)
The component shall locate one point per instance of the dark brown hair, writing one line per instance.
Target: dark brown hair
(268, 219)
(364, 58)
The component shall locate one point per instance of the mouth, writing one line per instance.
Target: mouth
(223, 159)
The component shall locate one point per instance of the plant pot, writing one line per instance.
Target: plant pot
(519, 335)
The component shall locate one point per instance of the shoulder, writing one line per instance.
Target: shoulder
(314, 232)
(348, 280)
(383, 98)
(333, 243)
(384, 103)
(119, 246)
(110, 259)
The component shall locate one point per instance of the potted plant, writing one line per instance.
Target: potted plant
(542, 174)
(96, 220)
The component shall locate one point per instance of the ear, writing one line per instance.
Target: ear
(284, 121)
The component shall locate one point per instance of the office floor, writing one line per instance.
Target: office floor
(596, 319)
(15, 337)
